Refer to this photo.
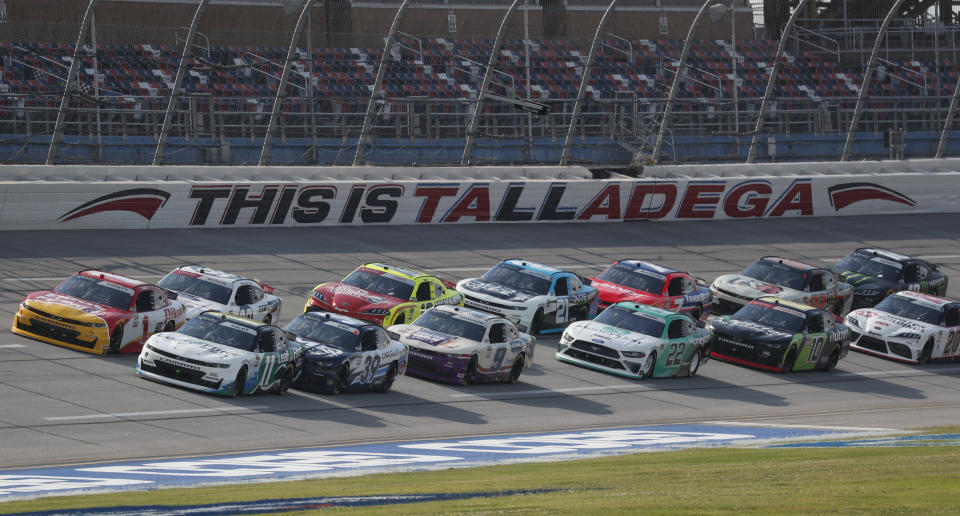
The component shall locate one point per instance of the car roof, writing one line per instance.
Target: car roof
(113, 278)
(770, 300)
(890, 255)
(469, 312)
(791, 263)
(342, 319)
(534, 266)
(939, 301)
(649, 267)
(213, 275)
(250, 323)
(395, 270)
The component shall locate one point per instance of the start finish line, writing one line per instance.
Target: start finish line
(381, 458)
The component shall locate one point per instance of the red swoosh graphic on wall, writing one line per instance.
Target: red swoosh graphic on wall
(844, 195)
(142, 201)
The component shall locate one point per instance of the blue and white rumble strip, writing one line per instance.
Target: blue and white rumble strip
(388, 457)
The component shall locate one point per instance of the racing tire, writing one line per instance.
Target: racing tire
(648, 371)
(384, 386)
(268, 319)
(116, 340)
(517, 368)
(536, 322)
(695, 360)
(400, 319)
(470, 375)
(926, 353)
(340, 383)
(284, 384)
(170, 326)
(239, 382)
(833, 360)
(789, 361)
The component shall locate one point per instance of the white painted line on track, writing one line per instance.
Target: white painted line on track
(60, 278)
(157, 413)
(802, 427)
(9, 346)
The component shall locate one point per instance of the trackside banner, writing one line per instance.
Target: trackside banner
(171, 204)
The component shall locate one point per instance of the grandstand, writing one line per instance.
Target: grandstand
(432, 79)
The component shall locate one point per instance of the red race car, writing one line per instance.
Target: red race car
(641, 282)
(98, 312)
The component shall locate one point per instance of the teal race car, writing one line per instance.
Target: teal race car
(636, 341)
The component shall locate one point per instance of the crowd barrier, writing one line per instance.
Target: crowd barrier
(191, 197)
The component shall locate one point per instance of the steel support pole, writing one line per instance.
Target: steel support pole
(68, 87)
(772, 81)
(944, 134)
(584, 81)
(282, 87)
(675, 87)
(867, 74)
(177, 82)
(377, 84)
(487, 76)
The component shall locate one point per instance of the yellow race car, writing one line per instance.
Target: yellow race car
(383, 294)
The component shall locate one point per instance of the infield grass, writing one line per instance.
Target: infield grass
(901, 480)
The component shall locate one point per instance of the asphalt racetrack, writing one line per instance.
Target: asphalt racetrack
(59, 406)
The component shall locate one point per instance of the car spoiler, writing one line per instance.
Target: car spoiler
(266, 288)
(585, 280)
(448, 284)
(171, 294)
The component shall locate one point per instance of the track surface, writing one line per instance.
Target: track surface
(60, 406)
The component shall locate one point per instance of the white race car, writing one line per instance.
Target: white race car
(223, 354)
(786, 279)
(908, 327)
(458, 345)
(537, 298)
(201, 289)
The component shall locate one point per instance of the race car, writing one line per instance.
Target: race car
(202, 289)
(98, 312)
(636, 341)
(458, 345)
(342, 353)
(654, 285)
(908, 327)
(778, 335)
(537, 298)
(787, 279)
(383, 294)
(876, 273)
(223, 354)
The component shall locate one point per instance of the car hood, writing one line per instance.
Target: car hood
(749, 331)
(864, 282)
(494, 290)
(886, 324)
(613, 293)
(320, 350)
(191, 347)
(751, 287)
(353, 299)
(70, 307)
(611, 336)
(422, 338)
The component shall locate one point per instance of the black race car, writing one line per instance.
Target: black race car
(342, 353)
(876, 273)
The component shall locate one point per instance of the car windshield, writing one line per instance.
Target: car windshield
(327, 331)
(379, 283)
(635, 278)
(97, 291)
(451, 324)
(184, 284)
(911, 309)
(770, 271)
(638, 322)
(875, 266)
(222, 331)
(518, 278)
(785, 320)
